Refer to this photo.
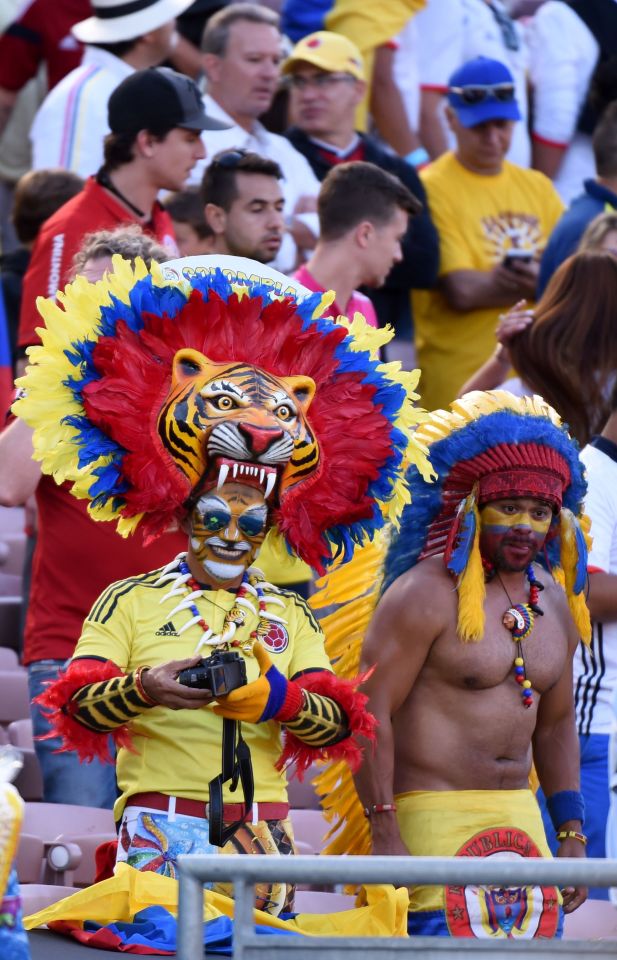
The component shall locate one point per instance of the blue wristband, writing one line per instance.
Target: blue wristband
(276, 698)
(566, 805)
(417, 157)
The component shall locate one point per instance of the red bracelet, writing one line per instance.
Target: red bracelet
(379, 808)
(150, 701)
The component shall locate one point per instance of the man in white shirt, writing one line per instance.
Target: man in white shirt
(71, 123)
(595, 669)
(449, 33)
(568, 42)
(241, 58)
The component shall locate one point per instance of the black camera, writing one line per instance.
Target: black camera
(220, 673)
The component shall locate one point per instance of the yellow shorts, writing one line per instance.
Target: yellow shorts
(480, 823)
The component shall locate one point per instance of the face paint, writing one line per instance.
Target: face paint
(513, 531)
(228, 527)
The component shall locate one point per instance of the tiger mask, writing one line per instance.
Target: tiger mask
(234, 421)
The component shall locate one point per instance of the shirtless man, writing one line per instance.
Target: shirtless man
(457, 733)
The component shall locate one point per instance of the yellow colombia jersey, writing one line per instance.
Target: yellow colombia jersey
(179, 751)
(478, 218)
(292, 571)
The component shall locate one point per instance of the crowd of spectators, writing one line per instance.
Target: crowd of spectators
(435, 163)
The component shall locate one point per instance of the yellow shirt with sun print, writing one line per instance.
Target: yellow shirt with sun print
(179, 751)
(478, 218)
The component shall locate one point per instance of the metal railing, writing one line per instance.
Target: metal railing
(244, 871)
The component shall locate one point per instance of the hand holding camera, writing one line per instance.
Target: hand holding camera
(219, 673)
(160, 684)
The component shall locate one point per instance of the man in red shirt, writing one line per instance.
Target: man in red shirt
(156, 117)
(40, 34)
(74, 560)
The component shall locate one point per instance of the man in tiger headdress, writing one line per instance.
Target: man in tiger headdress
(233, 411)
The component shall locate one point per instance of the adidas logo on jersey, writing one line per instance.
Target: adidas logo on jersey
(167, 630)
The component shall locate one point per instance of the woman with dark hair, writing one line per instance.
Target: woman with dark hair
(566, 349)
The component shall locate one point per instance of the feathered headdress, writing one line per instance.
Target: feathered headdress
(96, 388)
(490, 446)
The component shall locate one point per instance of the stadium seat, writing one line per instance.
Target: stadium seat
(317, 901)
(14, 696)
(10, 613)
(20, 733)
(37, 896)
(29, 780)
(9, 659)
(13, 552)
(29, 858)
(50, 820)
(594, 920)
(301, 794)
(310, 828)
(78, 870)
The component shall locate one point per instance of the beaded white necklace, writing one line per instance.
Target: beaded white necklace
(251, 589)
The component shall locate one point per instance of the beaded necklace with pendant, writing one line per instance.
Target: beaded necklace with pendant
(519, 619)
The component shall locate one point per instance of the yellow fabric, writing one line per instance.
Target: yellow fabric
(179, 752)
(354, 585)
(277, 564)
(11, 816)
(438, 823)
(129, 891)
(370, 25)
(472, 587)
(569, 563)
(478, 219)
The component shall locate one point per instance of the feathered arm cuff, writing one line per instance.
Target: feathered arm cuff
(88, 702)
(332, 715)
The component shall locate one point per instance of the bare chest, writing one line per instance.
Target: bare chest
(489, 663)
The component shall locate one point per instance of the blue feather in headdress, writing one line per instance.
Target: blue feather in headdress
(580, 579)
(461, 538)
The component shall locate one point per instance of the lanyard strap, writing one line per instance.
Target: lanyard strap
(237, 768)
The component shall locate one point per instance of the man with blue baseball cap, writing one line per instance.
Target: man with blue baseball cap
(483, 90)
(493, 219)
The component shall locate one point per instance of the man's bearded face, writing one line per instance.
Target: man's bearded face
(228, 526)
(513, 531)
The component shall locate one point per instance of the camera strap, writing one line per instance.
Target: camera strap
(237, 767)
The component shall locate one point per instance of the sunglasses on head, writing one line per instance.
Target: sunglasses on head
(479, 92)
(229, 159)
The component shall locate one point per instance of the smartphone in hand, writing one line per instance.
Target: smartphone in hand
(517, 256)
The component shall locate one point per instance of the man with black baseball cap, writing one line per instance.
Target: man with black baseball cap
(158, 98)
(156, 118)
